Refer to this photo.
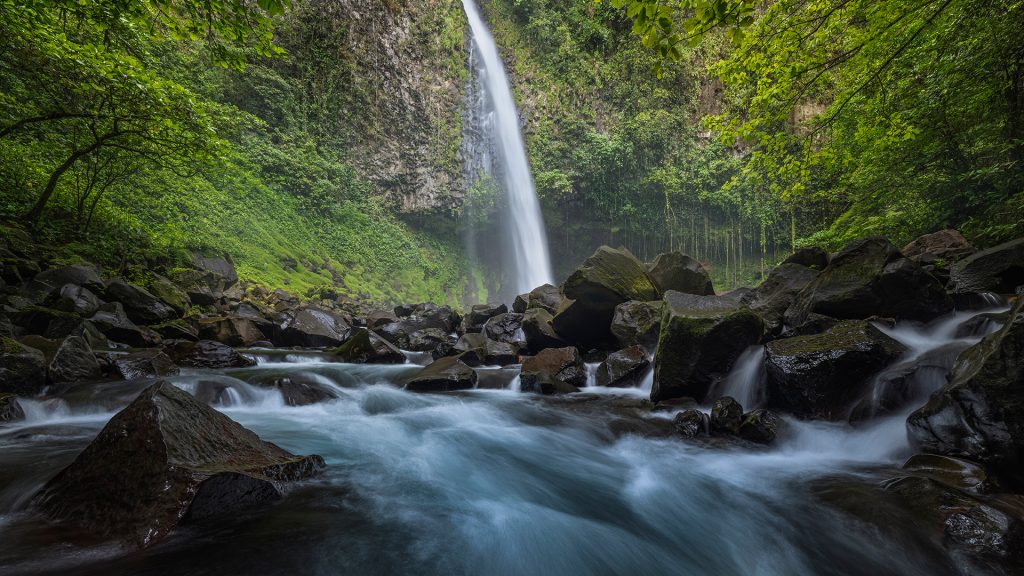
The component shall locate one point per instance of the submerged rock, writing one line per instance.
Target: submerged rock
(22, 369)
(679, 272)
(366, 347)
(554, 370)
(301, 390)
(701, 338)
(443, 375)
(624, 369)
(980, 413)
(165, 459)
(819, 376)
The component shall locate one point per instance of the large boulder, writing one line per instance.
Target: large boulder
(230, 330)
(10, 410)
(980, 413)
(22, 369)
(868, 278)
(544, 296)
(819, 376)
(949, 245)
(366, 347)
(812, 257)
(478, 315)
(73, 361)
(201, 287)
(74, 299)
(999, 269)
(216, 265)
(112, 321)
(139, 304)
(553, 370)
(78, 274)
(776, 294)
(507, 328)
(207, 354)
(760, 426)
(311, 327)
(169, 293)
(701, 337)
(679, 272)
(637, 323)
(538, 331)
(625, 368)
(165, 459)
(605, 280)
(144, 364)
(477, 349)
(44, 321)
(443, 375)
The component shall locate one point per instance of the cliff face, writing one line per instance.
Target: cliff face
(391, 75)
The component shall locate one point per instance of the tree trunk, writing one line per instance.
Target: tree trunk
(37, 210)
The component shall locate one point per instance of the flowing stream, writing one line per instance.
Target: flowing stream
(491, 482)
(498, 151)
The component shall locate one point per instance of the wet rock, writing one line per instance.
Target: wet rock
(164, 459)
(538, 331)
(761, 426)
(701, 338)
(624, 369)
(139, 304)
(637, 323)
(813, 257)
(999, 269)
(230, 330)
(10, 410)
(112, 321)
(45, 321)
(366, 347)
(170, 294)
(907, 383)
(144, 364)
(477, 350)
(505, 328)
(955, 472)
(443, 375)
(426, 339)
(301, 391)
(546, 297)
(73, 361)
(219, 266)
(606, 279)
(479, 314)
(312, 328)
(78, 274)
(691, 423)
(776, 294)
(553, 371)
(948, 245)
(74, 299)
(207, 354)
(22, 369)
(679, 272)
(867, 278)
(176, 330)
(726, 416)
(819, 376)
(980, 413)
(376, 319)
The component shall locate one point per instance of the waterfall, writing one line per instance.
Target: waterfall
(494, 147)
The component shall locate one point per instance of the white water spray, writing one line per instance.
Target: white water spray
(525, 236)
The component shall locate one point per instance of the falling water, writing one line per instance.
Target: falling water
(499, 152)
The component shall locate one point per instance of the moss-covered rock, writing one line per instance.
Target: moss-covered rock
(169, 293)
(980, 413)
(22, 369)
(637, 323)
(701, 337)
(821, 375)
(679, 272)
(166, 458)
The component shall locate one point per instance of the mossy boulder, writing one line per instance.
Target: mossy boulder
(870, 277)
(443, 375)
(811, 257)
(776, 294)
(679, 272)
(637, 323)
(606, 279)
(701, 338)
(139, 304)
(553, 371)
(22, 368)
(821, 375)
(170, 293)
(163, 460)
(366, 347)
(980, 413)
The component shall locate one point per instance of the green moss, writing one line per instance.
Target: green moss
(10, 346)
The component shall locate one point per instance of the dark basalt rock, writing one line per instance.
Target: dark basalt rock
(298, 390)
(312, 328)
(207, 354)
(691, 423)
(868, 278)
(22, 369)
(164, 459)
(443, 375)
(545, 296)
(10, 410)
(74, 299)
(505, 328)
(553, 370)
(180, 329)
(220, 266)
(761, 426)
(230, 330)
(201, 287)
(538, 331)
(624, 369)
(726, 416)
(423, 329)
(679, 272)
(112, 321)
(813, 257)
(78, 274)
(980, 413)
(999, 269)
(776, 294)
(139, 304)
(376, 319)
(44, 321)
(170, 294)
(477, 350)
(949, 245)
(73, 361)
(701, 338)
(637, 323)
(819, 376)
(605, 280)
(521, 303)
(478, 315)
(143, 364)
(366, 347)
